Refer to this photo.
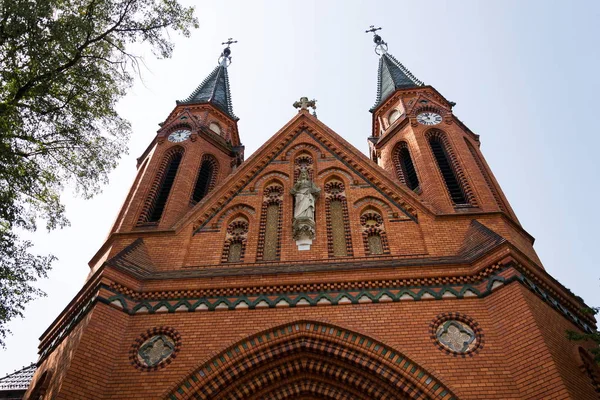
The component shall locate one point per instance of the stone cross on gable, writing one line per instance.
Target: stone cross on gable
(304, 103)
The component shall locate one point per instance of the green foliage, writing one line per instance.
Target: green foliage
(589, 337)
(64, 64)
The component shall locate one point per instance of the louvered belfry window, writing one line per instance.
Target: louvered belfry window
(405, 168)
(161, 188)
(449, 173)
(206, 178)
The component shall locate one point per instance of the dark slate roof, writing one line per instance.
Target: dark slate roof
(392, 75)
(134, 257)
(479, 239)
(18, 380)
(214, 90)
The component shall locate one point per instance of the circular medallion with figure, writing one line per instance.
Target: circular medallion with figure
(155, 348)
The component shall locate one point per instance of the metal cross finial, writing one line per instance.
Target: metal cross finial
(304, 103)
(230, 41)
(372, 29)
(380, 46)
(225, 58)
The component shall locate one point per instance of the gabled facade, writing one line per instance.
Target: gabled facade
(418, 281)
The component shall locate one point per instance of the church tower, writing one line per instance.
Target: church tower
(311, 271)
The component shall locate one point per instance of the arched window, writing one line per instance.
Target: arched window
(303, 161)
(456, 183)
(405, 168)
(161, 187)
(374, 235)
(235, 241)
(215, 128)
(269, 237)
(393, 116)
(207, 178)
(339, 241)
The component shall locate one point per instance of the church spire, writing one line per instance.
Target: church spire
(215, 88)
(391, 75)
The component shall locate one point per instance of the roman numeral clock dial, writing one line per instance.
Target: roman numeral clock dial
(179, 136)
(429, 118)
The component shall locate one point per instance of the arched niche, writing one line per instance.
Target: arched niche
(310, 358)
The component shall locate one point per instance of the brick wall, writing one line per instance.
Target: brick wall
(523, 352)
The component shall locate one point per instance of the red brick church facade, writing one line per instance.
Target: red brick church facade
(419, 281)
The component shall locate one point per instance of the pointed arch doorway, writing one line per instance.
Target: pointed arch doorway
(306, 360)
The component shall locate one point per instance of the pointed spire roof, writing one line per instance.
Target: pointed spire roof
(215, 88)
(392, 75)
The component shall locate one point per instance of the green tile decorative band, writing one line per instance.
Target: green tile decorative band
(132, 303)
(479, 289)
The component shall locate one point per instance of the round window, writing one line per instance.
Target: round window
(215, 128)
(393, 117)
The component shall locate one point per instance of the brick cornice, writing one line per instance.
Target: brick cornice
(478, 283)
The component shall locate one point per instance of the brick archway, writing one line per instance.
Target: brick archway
(308, 359)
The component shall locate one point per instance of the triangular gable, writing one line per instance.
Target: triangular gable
(184, 119)
(426, 101)
(335, 145)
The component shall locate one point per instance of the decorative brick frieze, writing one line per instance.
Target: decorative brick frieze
(320, 295)
(132, 302)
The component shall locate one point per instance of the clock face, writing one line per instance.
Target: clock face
(179, 136)
(429, 118)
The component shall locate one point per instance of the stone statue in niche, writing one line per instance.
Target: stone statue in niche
(305, 193)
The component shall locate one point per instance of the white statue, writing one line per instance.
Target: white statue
(305, 193)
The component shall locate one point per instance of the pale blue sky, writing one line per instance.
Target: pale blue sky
(524, 74)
